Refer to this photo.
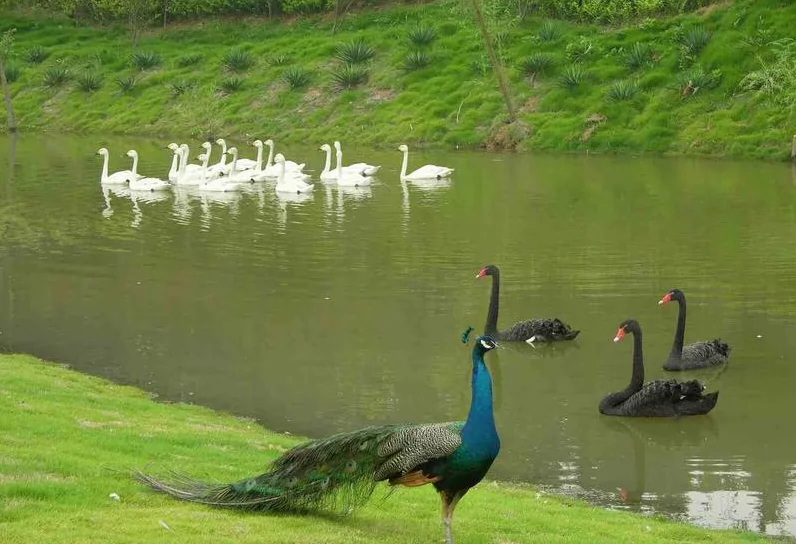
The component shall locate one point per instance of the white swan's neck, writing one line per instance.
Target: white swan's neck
(259, 157)
(223, 146)
(270, 162)
(339, 167)
(280, 176)
(234, 163)
(405, 164)
(223, 160)
(203, 178)
(175, 167)
(328, 166)
(104, 174)
(135, 165)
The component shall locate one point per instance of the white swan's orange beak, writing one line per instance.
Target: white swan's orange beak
(481, 273)
(666, 298)
(619, 334)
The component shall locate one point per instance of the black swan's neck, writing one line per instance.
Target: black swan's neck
(679, 334)
(492, 315)
(636, 380)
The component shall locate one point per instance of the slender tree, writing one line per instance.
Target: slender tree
(6, 47)
(497, 66)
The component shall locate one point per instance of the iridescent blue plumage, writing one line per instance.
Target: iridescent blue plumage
(340, 472)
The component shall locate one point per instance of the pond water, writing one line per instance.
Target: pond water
(346, 308)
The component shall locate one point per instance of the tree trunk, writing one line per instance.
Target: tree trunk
(496, 64)
(12, 123)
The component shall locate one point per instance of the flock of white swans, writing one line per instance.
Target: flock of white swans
(223, 176)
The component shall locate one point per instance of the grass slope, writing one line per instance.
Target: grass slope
(69, 439)
(669, 86)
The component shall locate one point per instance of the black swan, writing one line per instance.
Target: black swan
(698, 354)
(531, 331)
(659, 398)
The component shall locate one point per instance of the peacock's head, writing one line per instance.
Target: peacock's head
(674, 294)
(484, 343)
(628, 325)
(488, 270)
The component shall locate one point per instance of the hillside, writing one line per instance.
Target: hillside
(718, 82)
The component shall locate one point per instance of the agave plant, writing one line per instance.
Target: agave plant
(296, 78)
(348, 77)
(355, 52)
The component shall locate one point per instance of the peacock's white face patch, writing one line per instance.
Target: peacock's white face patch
(487, 344)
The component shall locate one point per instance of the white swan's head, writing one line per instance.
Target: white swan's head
(207, 145)
(269, 142)
(337, 145)
(232, 150)
(202, 157)
(279, 158)
(183, 147)
(102, 151)
(221, 142)
(173, 146)
(326, 147)
(403, 148)
(257, 143)
(132, 153)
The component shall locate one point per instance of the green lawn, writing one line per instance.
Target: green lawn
(667, 86)
(69, 441)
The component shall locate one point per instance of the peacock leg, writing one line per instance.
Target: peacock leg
(449, 502)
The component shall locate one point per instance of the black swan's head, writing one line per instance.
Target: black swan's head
(627, 326)
(674, 294)
(483, 344)
(488, 270)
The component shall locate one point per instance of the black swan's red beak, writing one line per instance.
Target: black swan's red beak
(666, 298)
(619, 334)
(481, 273)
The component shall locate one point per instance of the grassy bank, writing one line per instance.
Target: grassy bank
(717, 82)
(69, 439)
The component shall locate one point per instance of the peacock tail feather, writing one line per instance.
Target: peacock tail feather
(337, 473)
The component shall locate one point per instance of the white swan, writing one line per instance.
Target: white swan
(272, 170)
(289, 185)
(175, 161)
(145, 184)
(186, 166)
(328, 173)
(221, 167)
(237, 174)
(117, 178)
(245, 164)
(215, 185)
(348, 178)
(428, 171)
(365, 168)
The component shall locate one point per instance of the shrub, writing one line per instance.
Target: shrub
(89, 82)
(640, 55)
(238, 61)
(279, 60)
(188, 60)
(145, 60)
(572, 77)
(356, 52)
(621, 90)
(127, 84)
(416, 60)
(296, 78)
(348, 77)
(577, 51)
(56, 76)
(549, 32)
(692, 41)
(537, 64)
(12, 73)
(230, 84)
(775, 80)
(422, 36)
(35, 55)
(698, 79)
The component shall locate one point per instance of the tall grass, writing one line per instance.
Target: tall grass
(355, 52)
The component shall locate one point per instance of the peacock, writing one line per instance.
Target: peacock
(342, 471)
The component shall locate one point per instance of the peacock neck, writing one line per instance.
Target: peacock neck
(480, 424)
(492, 315)
(636, 379)
(679, 335)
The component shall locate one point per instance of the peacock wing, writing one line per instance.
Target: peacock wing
(413, 445)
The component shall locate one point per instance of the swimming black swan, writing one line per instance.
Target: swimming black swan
(698, 354)
(533, 330)
(659, 398)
